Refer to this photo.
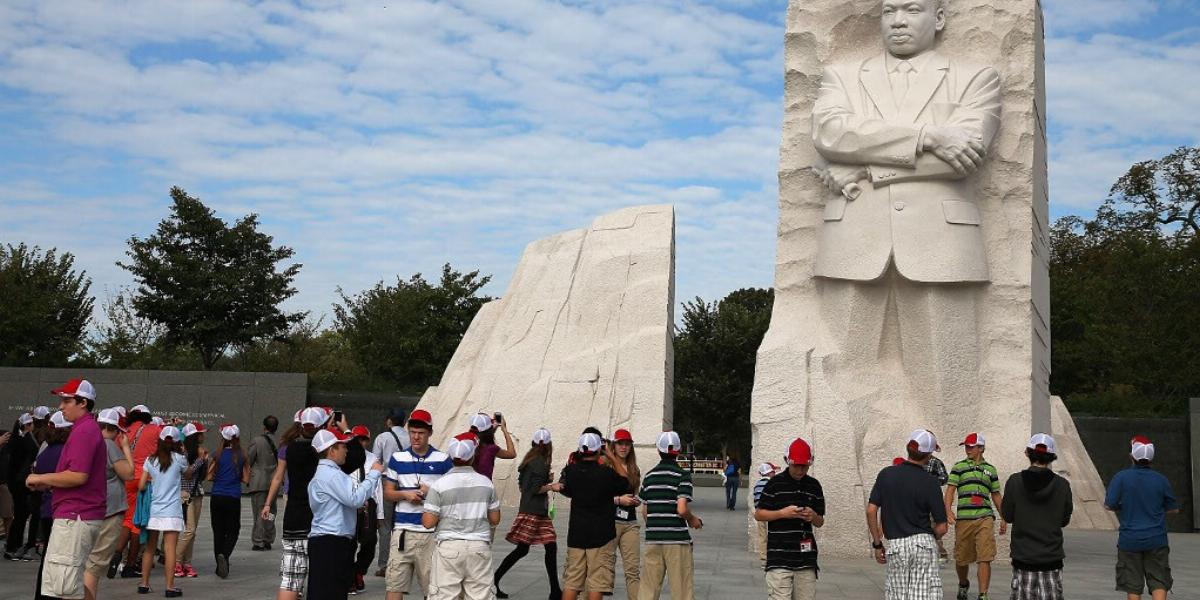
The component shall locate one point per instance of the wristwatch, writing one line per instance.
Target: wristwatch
(877, 545)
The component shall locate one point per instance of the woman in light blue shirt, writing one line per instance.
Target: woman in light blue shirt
(166, 467)
(335, 499)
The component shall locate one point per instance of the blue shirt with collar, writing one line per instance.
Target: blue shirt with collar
(335, 499)
(1141, 496)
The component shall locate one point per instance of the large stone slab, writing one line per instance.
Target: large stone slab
(1075, 464)
(581, 337)
(915, 299)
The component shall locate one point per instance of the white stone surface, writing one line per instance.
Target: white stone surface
(1074, 463)
(954, 339)
(581, 337)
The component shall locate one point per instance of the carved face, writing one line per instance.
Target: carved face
(910, 27)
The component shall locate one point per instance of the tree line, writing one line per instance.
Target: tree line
(1125, 287)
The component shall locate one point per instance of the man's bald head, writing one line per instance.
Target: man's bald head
(910, 27)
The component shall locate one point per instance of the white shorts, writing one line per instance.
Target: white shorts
(166, 524)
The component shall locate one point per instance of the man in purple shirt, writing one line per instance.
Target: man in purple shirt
(80, 497)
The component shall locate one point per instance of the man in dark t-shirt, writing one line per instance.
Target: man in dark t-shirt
(791, 504)
(914, 518)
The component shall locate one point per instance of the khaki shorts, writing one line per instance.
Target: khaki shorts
(590, 569)
(106, 544)
(415, 559)
(71, 542)
(785, 584)
(974, 541)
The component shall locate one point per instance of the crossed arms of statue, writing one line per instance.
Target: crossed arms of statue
(870, 147)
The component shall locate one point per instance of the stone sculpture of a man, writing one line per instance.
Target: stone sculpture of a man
(902, 132)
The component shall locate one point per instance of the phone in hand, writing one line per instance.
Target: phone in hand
(338, 416)
(499, 418)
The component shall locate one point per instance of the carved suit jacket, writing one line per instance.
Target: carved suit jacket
(913, 209)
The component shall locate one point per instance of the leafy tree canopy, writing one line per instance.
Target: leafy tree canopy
(407, 332)
(44, 307)
(210, 286)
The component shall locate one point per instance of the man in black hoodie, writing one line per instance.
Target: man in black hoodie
(1037, 503)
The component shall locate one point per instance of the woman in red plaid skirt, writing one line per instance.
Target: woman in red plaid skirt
(533, 525)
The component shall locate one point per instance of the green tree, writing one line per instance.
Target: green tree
(1124, 291)
(715, 353)
(44, 307)
(210, 286)
(125, 340)
(406, 333)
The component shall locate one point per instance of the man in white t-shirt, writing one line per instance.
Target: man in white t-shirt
(410, 472)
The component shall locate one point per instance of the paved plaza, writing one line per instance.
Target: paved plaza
(724, 570)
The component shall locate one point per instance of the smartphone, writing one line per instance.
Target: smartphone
(498, 417)
(337, 416)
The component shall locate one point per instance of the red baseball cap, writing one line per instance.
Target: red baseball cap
(897, 461)
(420, 417)
(799, 453)
(76, 387)
(361, 431)
(973, 439)
(622, 435)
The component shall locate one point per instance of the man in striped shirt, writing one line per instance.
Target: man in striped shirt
(666, 492)
(976, 485)
(410, 472)
(462, 506)
(792, 504)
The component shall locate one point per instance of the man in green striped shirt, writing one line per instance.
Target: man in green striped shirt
(665, 494)
(974, 488)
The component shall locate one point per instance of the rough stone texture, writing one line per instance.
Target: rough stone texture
(1075, 464)
(858, 404)
(1194, 423)
(581, 337)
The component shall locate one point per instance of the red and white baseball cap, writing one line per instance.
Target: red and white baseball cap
(25, 419)
(924, 440)
(59, 420)
(622, 435)
(668, 443)
(799, 453)
(170, 432)
(360, 431)
(120, 409)
(1042, 442)
(481, 422)
(76, 387)
(296, 417)
(899, 460)
(314, 416)
(590, 443)
(230, 431)
(420, 418)
(142, 408)
(541, 436)
(973, 439)
(157, 421)
(1141, 449)
(110, 416)
(462, 447)
(193, 428)
(326, 438)
(41, 412)
(767, 469)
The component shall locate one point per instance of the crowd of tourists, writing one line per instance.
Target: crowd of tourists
(100, 494)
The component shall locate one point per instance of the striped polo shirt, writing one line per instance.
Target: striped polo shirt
(408, 471)
(661, 489)
(976, 482)
(462, 499)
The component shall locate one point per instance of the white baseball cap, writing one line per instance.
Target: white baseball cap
(314, 416)
(481, 422)
(296, 418)
(1142, 450)
(766, 469)
(462, 447)
(59, 421)
(110, 416)
(1042, 442)
(142, 408)
(925, 440)
(41, 412)
(170, 432)
(541, 436)
(157, 421)
(230, 431)
(589, 443)
(120, 410)
(668, 443)
(25, 419)
(325, 439)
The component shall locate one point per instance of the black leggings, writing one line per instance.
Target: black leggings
(226, 523)
(367, 535)
(330, 559)
(523, 549)
(27, 508)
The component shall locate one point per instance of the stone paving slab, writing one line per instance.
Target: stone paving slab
(724, 570)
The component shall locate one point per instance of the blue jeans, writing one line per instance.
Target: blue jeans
(731, 491)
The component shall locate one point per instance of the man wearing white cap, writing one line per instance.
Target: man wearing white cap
(1142, 498)
(667, 493)
(335, 499)
(913, 518)
(462, 507)
(1037, 503)
(765, 472)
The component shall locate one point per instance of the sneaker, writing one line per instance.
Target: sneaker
(114, 565)
(28, 553)
(257, 548)
(222, 566)
(173, 592)
(128, 572)
(190, 571)
(179, 572)
(359, 584)
(984, 597)
(13, 556)
(962, 592)
(144, 589)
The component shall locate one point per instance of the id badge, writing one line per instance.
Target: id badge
(806, 545)
(622, 513)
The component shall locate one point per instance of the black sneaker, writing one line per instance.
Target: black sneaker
(144, 589)
(28, 554)
(12, 556)
(130, 572)
(114, 565)
(173, 592)
(222, 566)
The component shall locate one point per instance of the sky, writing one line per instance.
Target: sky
(384, 138)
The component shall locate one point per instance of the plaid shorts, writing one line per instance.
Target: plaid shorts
(293, 566)
(1037, 585)
(912, 569)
